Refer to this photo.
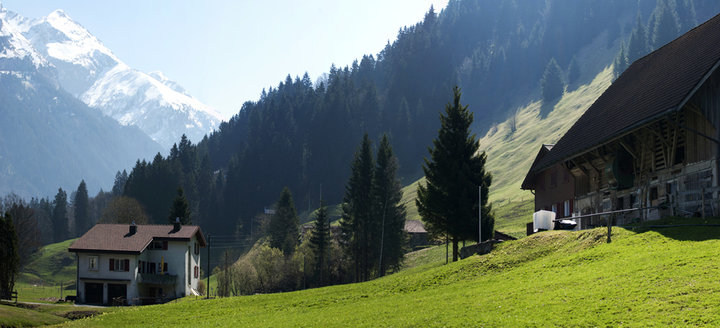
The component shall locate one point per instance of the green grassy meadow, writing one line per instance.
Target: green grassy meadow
(33, 315)
(12, 316)
(52, 264)
(51, 268)
(647, 277)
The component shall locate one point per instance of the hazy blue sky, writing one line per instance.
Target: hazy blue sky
(225, 52)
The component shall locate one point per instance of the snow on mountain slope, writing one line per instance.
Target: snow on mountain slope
(14, 47)
(93, 73)
(133, 97)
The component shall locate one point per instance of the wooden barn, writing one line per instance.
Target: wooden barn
(650, 141)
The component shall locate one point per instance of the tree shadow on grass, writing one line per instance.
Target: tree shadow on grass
(683, 229)
(547, 107)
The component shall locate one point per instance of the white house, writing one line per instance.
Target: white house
(137, 264)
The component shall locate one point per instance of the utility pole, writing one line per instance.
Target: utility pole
(479, 214)
(381, 272)
(207, 288)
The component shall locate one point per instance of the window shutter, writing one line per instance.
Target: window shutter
(112, 264)
(127, 265)
(164, 245)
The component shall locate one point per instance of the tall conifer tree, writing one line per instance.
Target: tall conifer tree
(387, 209)
(59, 216)
(283, 228)
(81, 207)
(356, 220)
(320, 242)
(448, 200)
(180, 208)
(9, 258)
(552, 84)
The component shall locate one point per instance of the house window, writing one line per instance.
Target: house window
(93, 263)
(119, 265)
(196, 272)
(566, 207)
(554, 208)
(197, 249)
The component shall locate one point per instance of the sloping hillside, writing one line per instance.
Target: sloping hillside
(51, 264)
(511, 147)
(658, 277)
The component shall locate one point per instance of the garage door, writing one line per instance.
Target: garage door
(93, 293)
(117, 293)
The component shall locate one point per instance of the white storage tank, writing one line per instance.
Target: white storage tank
(543, 220)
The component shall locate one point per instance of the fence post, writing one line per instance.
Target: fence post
(702, 206)
(609, 226)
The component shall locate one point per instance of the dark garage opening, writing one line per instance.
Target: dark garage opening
(117, 294)
(93, 293)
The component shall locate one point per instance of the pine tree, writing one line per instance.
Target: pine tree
(59, 217)
(573, 70)
(638, 44)
(666, 26)
(283, 227)
(180, 208)
(621, 61)
(320, 242)
(552, 84)
(81, 207)
(119, 185)
(356, 223)
(387, 194)
(9, 258)
(448, 201)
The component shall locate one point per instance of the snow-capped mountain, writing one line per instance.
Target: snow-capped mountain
(49, 138)
(90, 71)
(16, 52)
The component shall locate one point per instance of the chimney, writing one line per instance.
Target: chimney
(133, 229)
(176, 225)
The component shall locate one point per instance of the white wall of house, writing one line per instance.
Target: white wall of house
(180, 256)
(101, 273)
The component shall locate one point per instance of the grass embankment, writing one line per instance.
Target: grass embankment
(32, 315)
(48, 269)
(660, 277)
(51, 264)
(511, 217)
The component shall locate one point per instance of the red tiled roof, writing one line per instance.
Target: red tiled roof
(117, 237)
(650, 88)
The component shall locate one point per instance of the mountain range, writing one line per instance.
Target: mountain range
(90, 71)
(72, 110)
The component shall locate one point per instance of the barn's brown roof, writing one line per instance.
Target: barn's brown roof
(414, 226)
(650, 88)
(528, 183)
(117, 237)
